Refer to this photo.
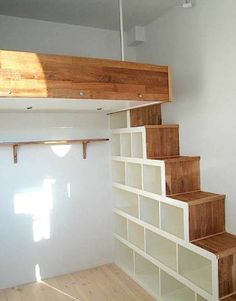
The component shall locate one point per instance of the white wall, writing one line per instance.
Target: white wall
(81, 225)
(80, 220)
(200, 45)
(47, 37)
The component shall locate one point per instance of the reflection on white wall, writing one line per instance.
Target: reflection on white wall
(37, 202)
(61, 150)
(38, 273)
(68, 190)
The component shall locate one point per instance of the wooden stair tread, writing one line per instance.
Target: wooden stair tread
(161, 126)
(177, 159)
(222, 244)
(197, 197)
(231, 298)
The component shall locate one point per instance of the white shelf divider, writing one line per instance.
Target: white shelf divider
(199, 298)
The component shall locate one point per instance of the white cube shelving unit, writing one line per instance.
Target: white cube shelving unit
(124, 257)
(136, 235)
(196, 268)
(148, 274)
(152, 234)
(172, 220)
(120, 226)
(173, 290)
(149, 211)
(126, 202)
(162, 249)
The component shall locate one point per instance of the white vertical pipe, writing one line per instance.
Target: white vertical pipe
(122, 31)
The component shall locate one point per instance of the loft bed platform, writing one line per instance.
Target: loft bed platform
(88, 83)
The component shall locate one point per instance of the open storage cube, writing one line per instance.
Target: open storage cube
(149, 210)
(126, 201)
(118, 120)
(136, 234)
(195, 268)
(147, 273)
(134, 175)
(161, 248)
(173, 290)
(172, 220)
(120, 226)
(115, 145)
(125, 145)
(124, 257)
(137, 145)
(118, 172)
(152, 179)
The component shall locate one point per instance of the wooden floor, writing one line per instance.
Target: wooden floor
(105, 283)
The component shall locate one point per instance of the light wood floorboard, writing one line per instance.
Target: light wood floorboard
(105, 283)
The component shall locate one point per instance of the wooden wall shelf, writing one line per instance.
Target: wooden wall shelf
(84, 142)
(34, 75)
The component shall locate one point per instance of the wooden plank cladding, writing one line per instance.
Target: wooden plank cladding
(182, 175)
(162, 141)
(206, 213)
(224, 246)
(150, 115)
(24, 74)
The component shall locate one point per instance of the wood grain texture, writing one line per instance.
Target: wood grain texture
(24, 74)
(162, 141)
(206, 213)
(150, 115)
(222, 244)
(231, 298)
(105, 283)
(207, 219)
(227, 275)
(182, 175)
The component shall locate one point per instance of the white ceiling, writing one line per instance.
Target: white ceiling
(66, 105)
(94, 13)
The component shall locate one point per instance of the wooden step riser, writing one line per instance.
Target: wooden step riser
(162, 142)
(182, 176)
(150, 115)
(207, 219)
(227, 275)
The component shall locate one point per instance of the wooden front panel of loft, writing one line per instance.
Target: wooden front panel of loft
(24, 74)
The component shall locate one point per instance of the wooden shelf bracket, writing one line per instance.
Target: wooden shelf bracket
(85, 142)
(14, 147)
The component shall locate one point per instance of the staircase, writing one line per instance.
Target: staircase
(205, 222)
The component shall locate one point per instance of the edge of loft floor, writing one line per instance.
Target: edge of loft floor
(103, 283)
